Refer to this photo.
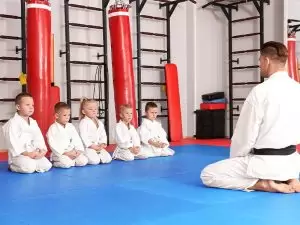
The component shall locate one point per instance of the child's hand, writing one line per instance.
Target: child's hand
(131, 149)
(136, 150)
(158, 145)
(103, 146)
(163, 145)
(95, 147)
(30, 154)
(77, 153)
(71, 154)
(42, 152)
(154, 143)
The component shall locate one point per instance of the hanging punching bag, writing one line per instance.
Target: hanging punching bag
(122, 60)
(292, 59)
(38, 58)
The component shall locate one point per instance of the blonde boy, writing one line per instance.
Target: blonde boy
(127, 139)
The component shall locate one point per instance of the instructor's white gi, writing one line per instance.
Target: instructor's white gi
(21, 136)
(152, 130)
(63, 139)
(270, 118)
(91, 134)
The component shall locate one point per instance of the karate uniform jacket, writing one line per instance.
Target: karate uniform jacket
(152, 130)
(126, 137)
(63, 139)
(270, 118)
(21, 136)
(90, 133)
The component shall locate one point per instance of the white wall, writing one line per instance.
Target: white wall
(9, 69)
(178, 52)
(198, 47)
(212, 47)
(178, 28)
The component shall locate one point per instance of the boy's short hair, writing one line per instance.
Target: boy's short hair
(19, 97)
(61, 105)
(125, 106)
(150, 105)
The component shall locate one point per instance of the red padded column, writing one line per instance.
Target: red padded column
(38, 58)
(122, 59)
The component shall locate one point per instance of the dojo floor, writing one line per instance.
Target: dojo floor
(158, 191)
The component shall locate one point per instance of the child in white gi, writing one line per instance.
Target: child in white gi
(93, 133)
(24, 139)
(153, 136)
(127, 139)
(64, 141)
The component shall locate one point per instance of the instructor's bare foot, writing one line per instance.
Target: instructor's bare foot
(295, 183)
(271, 186)
(281, 187)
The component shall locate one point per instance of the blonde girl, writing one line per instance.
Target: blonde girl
(92, 133)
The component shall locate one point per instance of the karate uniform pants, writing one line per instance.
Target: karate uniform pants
(156, 152)
(95, 158)
(25, 164)
(228, 174)
(64, 161)
(241, 173)
(127, 155)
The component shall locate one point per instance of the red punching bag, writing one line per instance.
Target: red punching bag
(292, 59)
(122, 60)
(38, 58)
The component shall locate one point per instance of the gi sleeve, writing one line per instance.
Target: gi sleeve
(53, 137)
(122, 139)
(76, 140)
(38, 137)
(162, 135)
(145, 134)
(84, 133)
(102, 135)
(11, 133)
(247, 127)
(135, 137)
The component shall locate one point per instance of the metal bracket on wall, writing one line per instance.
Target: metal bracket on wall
(228, 7)
(100, 80)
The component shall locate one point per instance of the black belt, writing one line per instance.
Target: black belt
(273, 151)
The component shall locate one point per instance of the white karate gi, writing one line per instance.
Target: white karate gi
(126, 138)
(270, 118)
(152, 130)
(21, 136)
(64, 139)
(91, 134)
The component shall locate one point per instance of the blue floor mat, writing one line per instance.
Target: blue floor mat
(157, 191)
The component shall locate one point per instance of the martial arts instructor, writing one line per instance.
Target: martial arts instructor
(263, 152)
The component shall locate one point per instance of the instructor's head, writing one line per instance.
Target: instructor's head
(273, 58)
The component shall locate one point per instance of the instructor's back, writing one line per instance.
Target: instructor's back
(263, 152)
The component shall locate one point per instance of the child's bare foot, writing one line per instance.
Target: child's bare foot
(295, 183)
(271, 186)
